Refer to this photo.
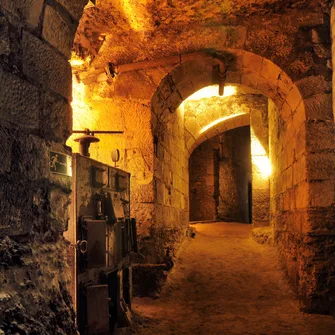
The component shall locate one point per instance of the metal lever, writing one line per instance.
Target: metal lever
(81, 245)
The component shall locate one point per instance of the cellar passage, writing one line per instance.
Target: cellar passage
(105, 104)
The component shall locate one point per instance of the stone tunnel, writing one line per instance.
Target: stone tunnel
(219, 111)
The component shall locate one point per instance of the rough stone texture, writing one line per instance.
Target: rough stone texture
(210, 116)
(37, 301)
(221, 114)
(34, 254)
(20, 101)
(56, 118)
(261, 166)
(203, 179)
(4, 37)
(44, 65)
(272, 45)
(26, 10)
(234, 177)
(57, 32)
(171, 214)
(263, 235)
(33, 203)
(75, 8)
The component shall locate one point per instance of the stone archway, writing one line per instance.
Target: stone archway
(246, 69)
(291, 150)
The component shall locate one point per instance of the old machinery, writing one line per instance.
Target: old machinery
(104, 236)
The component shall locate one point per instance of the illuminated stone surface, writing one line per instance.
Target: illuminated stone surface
(280, 50)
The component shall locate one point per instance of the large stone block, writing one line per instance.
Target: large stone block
(270, 71)
(320, 135)
(57, 32)
(302, 195)
(320, 218)
(286, 112)
(322, 193)
(4, 37)
(43, 64)
(312, 85)
(56, 120)
(167, 86)
(59, 205)
(320, 166)
(143, 193)
(300, 148)
(251, 79)
(6, 140)
(30, 157)
(75, 8)
(299, 170)
(299, 116)
(19, 101)
(250, 61)
(294, 98)
(174, 101)
(26, 10)
(284, 83)
(319, 107)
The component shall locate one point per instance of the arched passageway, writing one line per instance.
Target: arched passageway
(287, 144)
(281, 51)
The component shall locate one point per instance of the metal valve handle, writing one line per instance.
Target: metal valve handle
(82, 246)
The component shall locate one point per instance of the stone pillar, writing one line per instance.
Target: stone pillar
(35, 118)
(261, 168)
(332, 31)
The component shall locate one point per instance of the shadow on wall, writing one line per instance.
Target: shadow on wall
(220, 175)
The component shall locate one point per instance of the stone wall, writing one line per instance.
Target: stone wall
(261, 165)
(203, 181)
(219, 187)
(287, 59)
(235, 176)
(207, 117)
(35, 117)
(171, 181)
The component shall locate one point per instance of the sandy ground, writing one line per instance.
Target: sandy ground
(225, 283)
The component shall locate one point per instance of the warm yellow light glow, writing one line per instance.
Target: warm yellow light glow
(263, 165)
(135, 12)
(212, 91)
(260, 159)
(83, 116)
(77, 62)
(217, 121)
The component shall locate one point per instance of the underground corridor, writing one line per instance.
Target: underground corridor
(167, 166)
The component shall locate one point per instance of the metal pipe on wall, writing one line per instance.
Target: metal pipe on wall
(111, 70)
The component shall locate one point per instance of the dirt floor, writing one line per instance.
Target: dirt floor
(224, 282)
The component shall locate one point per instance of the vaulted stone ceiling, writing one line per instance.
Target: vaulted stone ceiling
(124, 31)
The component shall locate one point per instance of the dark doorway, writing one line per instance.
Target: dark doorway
(220, 178)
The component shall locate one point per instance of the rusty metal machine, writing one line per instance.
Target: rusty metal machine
(104, 236)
